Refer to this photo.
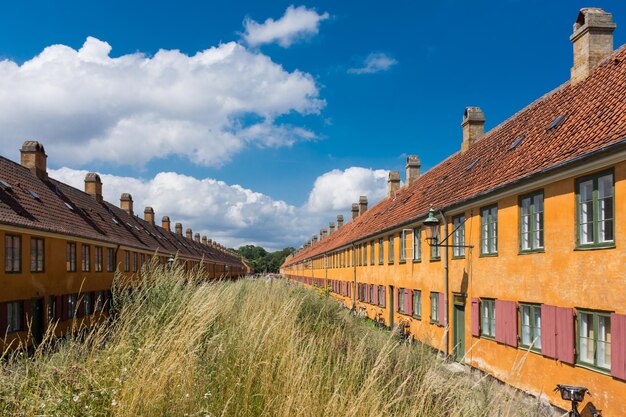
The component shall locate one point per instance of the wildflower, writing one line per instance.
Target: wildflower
(75, 398)
(186, 395)
(113, 402)
(207, 394)
(43, 405)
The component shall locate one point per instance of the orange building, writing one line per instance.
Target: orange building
(525, 280)
(61, 247)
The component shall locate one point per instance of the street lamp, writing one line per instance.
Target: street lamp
(432, 228)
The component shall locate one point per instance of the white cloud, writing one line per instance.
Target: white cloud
(86, 106)
(234, 215)
(375, 62)
(296, 24)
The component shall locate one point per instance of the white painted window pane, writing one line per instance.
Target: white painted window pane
(604, 342)
(537, 327)
(586, 338)
(525, 313)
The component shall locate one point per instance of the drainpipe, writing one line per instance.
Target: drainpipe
(446, 328)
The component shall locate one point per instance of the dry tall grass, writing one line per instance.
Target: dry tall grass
(180, 347)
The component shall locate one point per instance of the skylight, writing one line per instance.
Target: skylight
(5, 186)
(69, 206)
(517, 142)
(557, 121)
(115, 220)
(34, 194)
(470, 166)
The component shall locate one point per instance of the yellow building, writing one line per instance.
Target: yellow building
(525, 280)
(61, 247)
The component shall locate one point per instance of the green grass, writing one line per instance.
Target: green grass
(180, 347)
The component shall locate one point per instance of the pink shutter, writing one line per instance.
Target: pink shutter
(373, 299)
(565, 334)
(506, 322)
(511, 328)
(398, 301)
(442, 310)
(618, 345)
(475, 317)
(3, 320)
(408, 302)
(548, 331)
(384, 297)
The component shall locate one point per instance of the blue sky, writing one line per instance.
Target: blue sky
(278, 156)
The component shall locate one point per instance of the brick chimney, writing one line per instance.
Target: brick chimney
(592, 40)
(323, 233)
(126, 203)
(33, 156)
(189, 234)
(196, 237)
(393, 183)
(339, 221)
(148, 215)
(412, 168)
(362, 205)
(210, 242)
(473, 127)
(93, 186)
(204, 240)
(355, 210)
(179, 229)
(165, 223)
(331, 227)
(314, 239)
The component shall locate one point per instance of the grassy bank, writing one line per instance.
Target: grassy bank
(246, 348)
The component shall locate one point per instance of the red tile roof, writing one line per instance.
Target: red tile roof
(595, 121)
(60, 208)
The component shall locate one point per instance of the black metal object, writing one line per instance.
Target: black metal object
(572, 393)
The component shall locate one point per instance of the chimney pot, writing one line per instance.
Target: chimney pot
(33, 156)
(196, 237)
(93, 186)
(413, 166)
(355, 210)
(126, 203)
(148, 215)
(189, 234)
(165, 223)
(473, 127)
(362, 205)
(204, 240)
(179, 229)
(331, 227)
(393, 183)
(339, 221)
(592, 41)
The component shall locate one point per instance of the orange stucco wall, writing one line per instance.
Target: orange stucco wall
(561, 275)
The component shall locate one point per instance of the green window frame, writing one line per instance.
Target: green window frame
(98, 265)
(110, 260)
(531, 208)
(458, 236)
(489, 230)
(14, 314)
(86, 258)
(373, 289)
(530, 326)
(488, 318)
(37, 254)
(417, 304)
(434, 307)
(593, 341)
(381, 251)
(435, 249)
(70, 257)
(12, 253)
(403, 246)
(400, 300)
(364, 249)
(381, 295)
(390, 252)
(595, 210)
(372, 253)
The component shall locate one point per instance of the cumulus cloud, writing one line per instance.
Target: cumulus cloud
(86, 105)
(234, 215)
(375, 62)
(296, 24)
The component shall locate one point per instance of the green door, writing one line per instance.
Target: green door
(459, 332)
(37, 324)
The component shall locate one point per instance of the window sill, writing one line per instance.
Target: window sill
(403, 261)
(484, 336)
(458, 257)
(531, 251)
(390, 263)
(529, 349)
(435, 322)
(417, 317)
(417, 261)
(593, 368)
(595, 246)
(488, 255)
(435, 259)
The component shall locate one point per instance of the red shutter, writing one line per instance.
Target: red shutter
(506, 322)
(618, 345)
(475, 317)
(3, 320)
(442, 310)
(398, 301)
(511, 329)
(565, 334)
(384, 297)
(26, 314)
(408, 302)
(548, 331)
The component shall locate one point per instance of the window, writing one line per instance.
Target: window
(594, 339)
(595, 219)
(12, 253)
(52, 302)
(36, 254)
(417, 244)
(142, 260)
(488, 318)
(400, 300)
(70, 257)
(98, 259)
(126, 261)
(435, 249)
(110, 260)
(390, 248)
(86, 261)
(402, 246)
(358, 255)
(135, 260)
(417, 304)
(531, 222)
(88, 303)
(434, 307)
(372, 253)
(15, 311)
(489, 230)
(364, 254)
(381, 251)
(530, 323)
(381, 296)
(98, 301)
(373, 294)
(458, 237)
(71, 306)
